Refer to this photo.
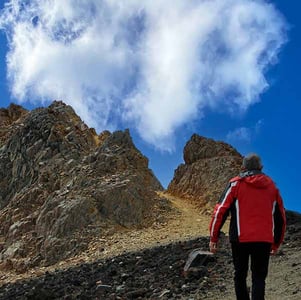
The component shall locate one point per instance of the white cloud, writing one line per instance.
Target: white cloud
(153, 65)
(244, 134)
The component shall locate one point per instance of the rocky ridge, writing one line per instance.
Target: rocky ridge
(208, 166)
(61, 183)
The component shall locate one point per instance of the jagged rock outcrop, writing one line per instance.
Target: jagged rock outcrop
(58, 179)
(9, 120)
(208, 166)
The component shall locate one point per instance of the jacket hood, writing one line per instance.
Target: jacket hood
(256, 179)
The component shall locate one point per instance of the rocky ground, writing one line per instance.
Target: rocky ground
(148, 264)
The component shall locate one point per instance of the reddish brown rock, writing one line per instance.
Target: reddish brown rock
(208, 166)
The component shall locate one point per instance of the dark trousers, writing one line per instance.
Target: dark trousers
(260, 254)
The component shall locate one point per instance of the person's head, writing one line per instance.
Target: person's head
(252, 162)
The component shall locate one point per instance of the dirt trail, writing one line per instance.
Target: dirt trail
(184, 222)
(284, 278)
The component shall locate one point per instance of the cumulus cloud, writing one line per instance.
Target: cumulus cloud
(151, 65)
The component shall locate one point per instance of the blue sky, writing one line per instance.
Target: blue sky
(227, 70)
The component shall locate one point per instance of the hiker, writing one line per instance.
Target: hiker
(257, 225)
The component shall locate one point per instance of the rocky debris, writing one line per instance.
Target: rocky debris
(57, 176)
(293, 230)
(208, 166)
(284, 279)
(157, 273)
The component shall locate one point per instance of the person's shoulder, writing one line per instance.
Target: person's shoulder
(269, 178)
(235, 179)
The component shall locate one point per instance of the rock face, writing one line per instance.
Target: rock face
(8, 120)
(58, 178)
(208, 167)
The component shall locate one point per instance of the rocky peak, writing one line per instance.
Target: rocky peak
(11, 114)
(199, 147)
(10, 118)
(43, 139)
(208, 166)
(58, 178)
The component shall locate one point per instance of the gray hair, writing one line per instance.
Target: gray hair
(252, 162)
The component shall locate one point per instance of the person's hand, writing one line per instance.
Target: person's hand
(274, 250)
(213, 247)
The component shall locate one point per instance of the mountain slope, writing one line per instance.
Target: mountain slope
(132, 266)
(60, 182)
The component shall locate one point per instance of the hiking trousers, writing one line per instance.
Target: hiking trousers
(259, 252)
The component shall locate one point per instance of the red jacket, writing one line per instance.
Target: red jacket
(256, 207)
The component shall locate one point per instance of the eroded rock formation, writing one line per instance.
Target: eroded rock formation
(208, 166)
(59, 179)
(9, 120)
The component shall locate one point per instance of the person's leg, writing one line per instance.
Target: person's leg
(240, 254)
(260, 254)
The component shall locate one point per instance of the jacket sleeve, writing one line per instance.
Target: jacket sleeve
(279, 221)
(221, 211)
